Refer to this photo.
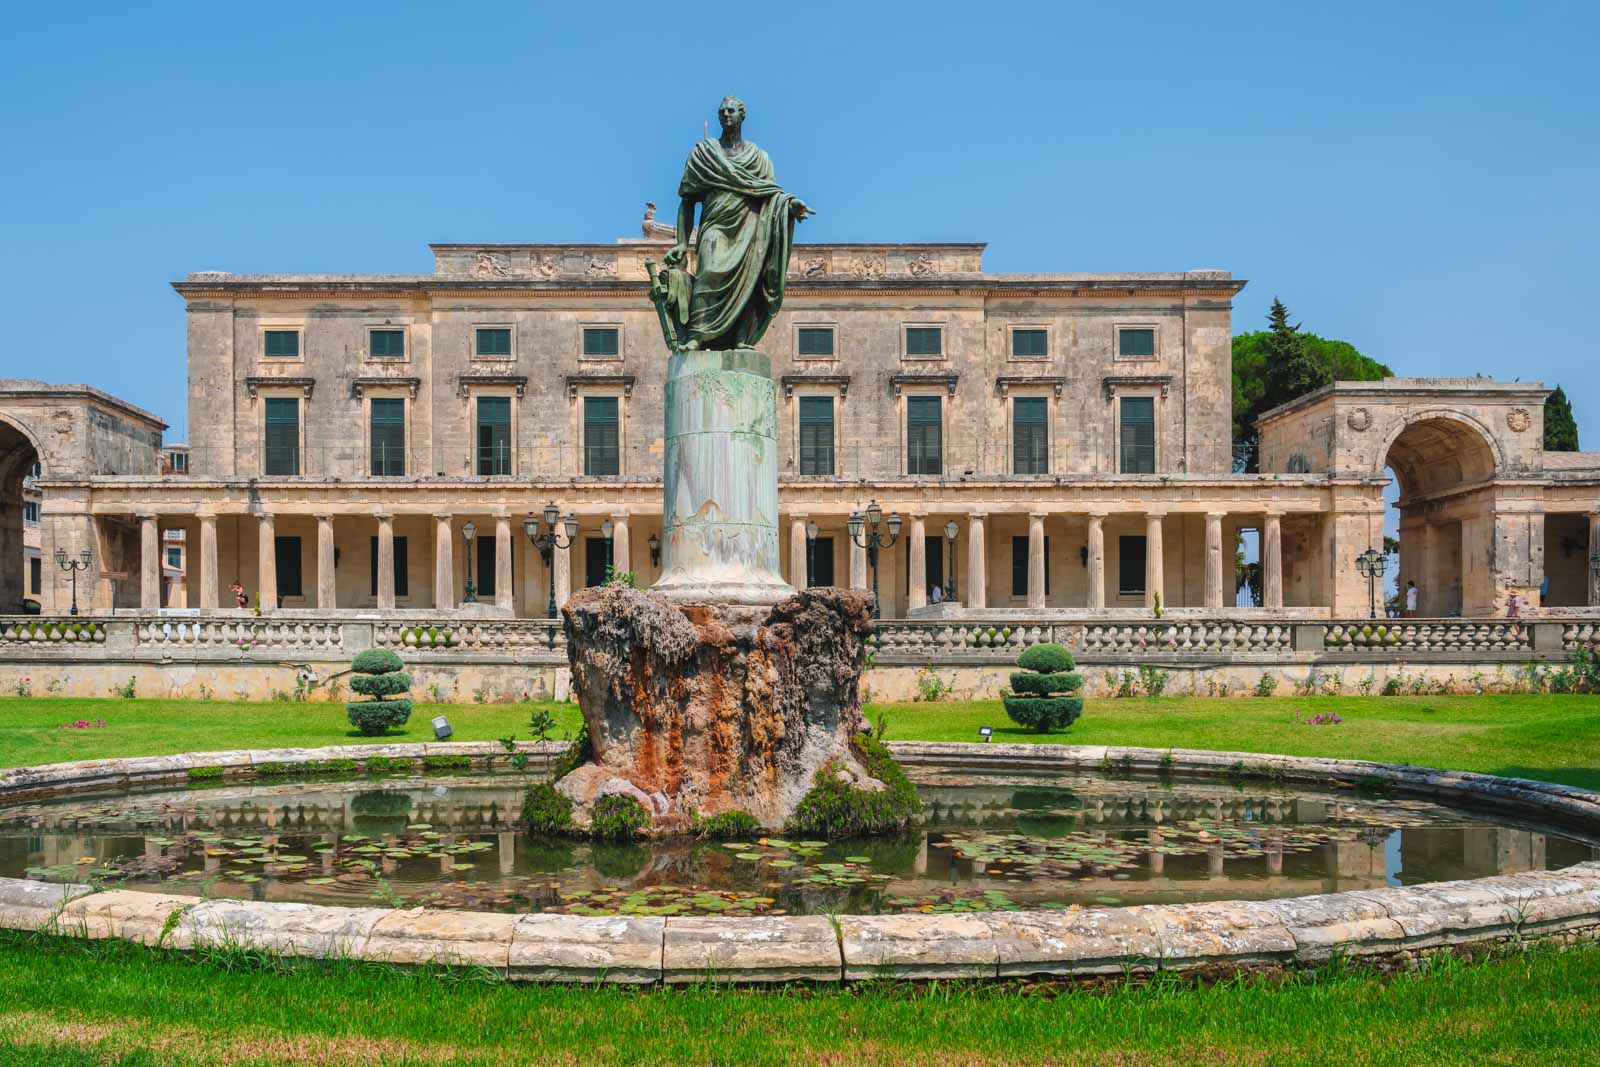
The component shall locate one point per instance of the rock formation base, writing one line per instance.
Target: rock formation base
(701, 709)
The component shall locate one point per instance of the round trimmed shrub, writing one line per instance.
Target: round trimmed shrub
(1038, 696)
(380, 685)
(376, 661)
(380, 675)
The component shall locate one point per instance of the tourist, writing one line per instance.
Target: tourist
(1513, 606)
(937, 595)
(239, 599)
(1412, 595)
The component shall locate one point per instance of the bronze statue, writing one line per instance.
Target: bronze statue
(741, 250)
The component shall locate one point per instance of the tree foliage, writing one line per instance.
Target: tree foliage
(1275, 365)
(1560, 428)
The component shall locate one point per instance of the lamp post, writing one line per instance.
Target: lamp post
(73, 566)
(811, 553)
(607, 529)
(866, 530)
(547, 539)
(950, 532)
(1372, 564)
(468, 529)
(655, 549)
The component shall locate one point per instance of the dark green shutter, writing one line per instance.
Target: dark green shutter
(282, 344)
(924, 340)
(1030, 435)
(1130, 577)
(816, 340)
(1138, 435)
(600, 341)
(387, 344)
(924, 435)
(1136, 344)
(601, 443)
(494, 341)
(388, 436)
(494, 435)
(1029, 343)
(816, 435)
(283, 435)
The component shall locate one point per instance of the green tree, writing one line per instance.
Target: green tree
(1275, 365)
(1560, 428)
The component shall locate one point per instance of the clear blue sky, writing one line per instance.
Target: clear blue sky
(1417, 180)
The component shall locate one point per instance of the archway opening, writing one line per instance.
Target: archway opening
(1431, 459)
(22, 575)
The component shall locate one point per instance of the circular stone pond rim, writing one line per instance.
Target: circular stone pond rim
(1387, 926)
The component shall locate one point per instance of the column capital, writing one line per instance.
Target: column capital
(324, 516)
(1273, 513)
(445, 516)
(502, 515)
(1098, 516)
(977, 516)
(206, 516)
(1218, 515)
(1040, 515)
(146, 516)
(383, 516)
(1154, 516)
(622, 516)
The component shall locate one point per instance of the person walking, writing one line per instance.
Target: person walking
(1413, 595)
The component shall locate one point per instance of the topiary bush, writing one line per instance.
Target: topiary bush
(379, 675)
(1038, 696)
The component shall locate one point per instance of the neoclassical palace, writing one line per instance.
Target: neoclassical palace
(1044, 443)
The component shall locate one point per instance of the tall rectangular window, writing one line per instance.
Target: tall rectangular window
(1030, 435)
(388, 433)
(286, 556)
(175, 558)
(36, 575)
(815, 341)
(816, 435)
(494, 435)
(280, 344)
(601, 340)
(30, 512)
(924, 435)
(1136, 342)
(1130, 569)
(386, 344)
(402, 570)
(596, 558)
(601, 443)
(1019, 566)
(485, 565)
(1030, 344)
(819, 562)
(493, 341)
(283, 435)
(1138, 435)
(924, 340)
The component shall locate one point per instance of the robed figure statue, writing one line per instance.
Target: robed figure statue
(742, 251)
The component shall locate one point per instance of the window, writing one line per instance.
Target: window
(924, 435)
(1030, 344)
(401, 570)
(36, 575)
(601, 453)
(1030, 435)
(1138, 435)
(484, 564)
(1019, 566)
(175, 558)
(596, 558)
(924, 340)
(1136, 342)
(286, 555)
(494, 342)
(281, 344)
(35, 472)
(30, 512)
(386, 344)
(178, 461)
(819, 562)
(388, 436)
(601, 340)
(814, 341)
(1130, 577)
(494, 435)
(816, 435)
(283, 435)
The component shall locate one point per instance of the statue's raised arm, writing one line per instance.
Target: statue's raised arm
(742, 250)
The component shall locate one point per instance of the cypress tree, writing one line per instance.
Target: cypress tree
(1560, 428)
(1292, 368)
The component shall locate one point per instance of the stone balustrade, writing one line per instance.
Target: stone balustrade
(1389, 636)
(511, 637)
(31, 630)
(258, 635)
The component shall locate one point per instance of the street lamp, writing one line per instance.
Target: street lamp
(547, 539)
(655, 549)
(73, 566)
(468, 529)
(866, 530)
(811, 553)
(1372, 564)
(950, 531)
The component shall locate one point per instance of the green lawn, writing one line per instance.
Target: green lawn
(1555, 738)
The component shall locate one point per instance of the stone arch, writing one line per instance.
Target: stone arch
(1437, 449)
(19, 451)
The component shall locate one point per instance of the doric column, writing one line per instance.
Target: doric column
(563, 567)
(1155, 570)
(798, 556)
(1425, 573)
(917, 569)
(1036, 560)
(977, 563)
(1594, 547)
(1097, 561)
(386, 562)
(149, 563)
(208, 562)
(505, 593)
(444, 562)
(620, 549)
(327, 586)
(1272, 561)
(267, 563)
(1214, 579)
(858, 565)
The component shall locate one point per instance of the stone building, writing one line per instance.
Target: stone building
(1051, 442)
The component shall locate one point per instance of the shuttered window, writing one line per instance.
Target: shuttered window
(1130, 577)
(1030, 344)
(485, 565)
(924, 435)
(816, 435)
(816, 340)
(819, 562)
(1137, 343)
(1138, 435)
(386, 344)
(1030, 433)
(494, 341)
(924, 340)
(600, 340)
(281, 344)
(35, 576)
(494, 435)
(596, 558)
(286, 556)
(601, 443)
(388, 433)
(401, 570)
(283, 435)
(1019, 566)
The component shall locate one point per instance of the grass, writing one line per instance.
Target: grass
(119, 1004)
(1552, 738)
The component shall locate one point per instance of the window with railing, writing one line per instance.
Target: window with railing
(282, 435)
(816, 435)
(924, 435)
(388, 436)
(494, 435)
(1138, 435)
(602, 454)
(1030, 435)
